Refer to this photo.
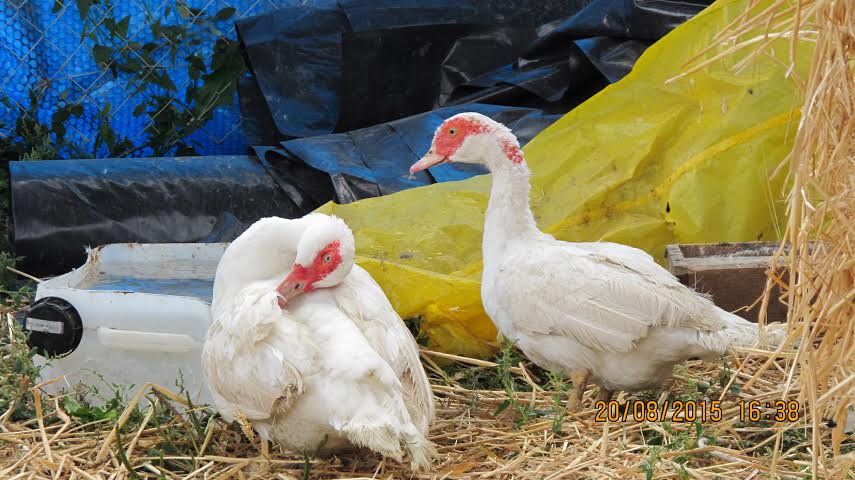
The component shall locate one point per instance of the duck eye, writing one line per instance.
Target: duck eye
(297, 286)
(328, 258)
(452, 131)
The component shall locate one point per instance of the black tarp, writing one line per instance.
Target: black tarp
(60, 207)
(339, 66)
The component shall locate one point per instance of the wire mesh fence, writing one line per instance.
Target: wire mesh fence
(97, 78)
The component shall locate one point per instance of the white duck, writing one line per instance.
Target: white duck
(602, 310)
(307, 348)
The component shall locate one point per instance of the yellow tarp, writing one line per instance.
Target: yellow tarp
(643, 163)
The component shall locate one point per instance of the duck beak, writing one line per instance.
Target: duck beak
(290, 288)
(430, 159)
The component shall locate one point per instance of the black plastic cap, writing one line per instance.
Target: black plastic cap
(53, 327)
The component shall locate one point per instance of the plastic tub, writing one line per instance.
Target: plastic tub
(133, 313)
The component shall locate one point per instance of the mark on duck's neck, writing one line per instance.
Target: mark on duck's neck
(512, 151)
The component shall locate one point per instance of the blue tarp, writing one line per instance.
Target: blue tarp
(44, 48)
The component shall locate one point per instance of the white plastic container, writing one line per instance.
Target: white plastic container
(144, 312)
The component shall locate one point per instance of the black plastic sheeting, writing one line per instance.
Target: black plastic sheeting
(333, 67)
(60, 207)
(348, 93)
(375, 161)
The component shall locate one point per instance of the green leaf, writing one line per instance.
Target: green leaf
(57, 120)
(502, 407)
(225, 14)
(184, 12)
(57, 6)
(186, 151)
(106, 134)
(139, 109)
(131, 65)
(101, 54)
(122, 27)
(162, 79)
(76, 109)
(83, 8)
(195, 66)
(110, 24)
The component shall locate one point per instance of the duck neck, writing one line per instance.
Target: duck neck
(263, 254)
(509, 215)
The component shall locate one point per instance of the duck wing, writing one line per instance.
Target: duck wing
(605, 297)
(250, 378)
(365, 303)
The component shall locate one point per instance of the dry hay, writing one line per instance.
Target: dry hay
(163, 438)
(47, 437)
(818, 271)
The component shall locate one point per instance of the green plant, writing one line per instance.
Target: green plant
(725, 377)
(15, 292)
(559, 387)
(414, 326)
(17, 372)
(79, 408)
(650, 463)
(172, 114)
(507, 359)
(673, 441)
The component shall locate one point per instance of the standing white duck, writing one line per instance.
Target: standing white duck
(307, 348)
(600, 310)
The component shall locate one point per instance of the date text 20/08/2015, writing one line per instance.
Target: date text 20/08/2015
(690, 411)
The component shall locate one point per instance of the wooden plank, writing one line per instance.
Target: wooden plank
(734, 274)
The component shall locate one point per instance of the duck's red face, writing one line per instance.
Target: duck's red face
(447, 139)
(303, 278)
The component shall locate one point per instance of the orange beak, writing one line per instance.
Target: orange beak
(430, 159)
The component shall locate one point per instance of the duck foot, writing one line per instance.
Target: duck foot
(580, 383)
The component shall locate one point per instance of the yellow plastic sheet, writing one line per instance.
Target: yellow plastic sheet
(643, 163)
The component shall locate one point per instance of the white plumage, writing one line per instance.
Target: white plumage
(600, 309)
(317, 359)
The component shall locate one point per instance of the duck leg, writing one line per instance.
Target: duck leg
(604, 394)
(580, 383)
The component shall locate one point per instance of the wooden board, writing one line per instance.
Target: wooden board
(733, 273)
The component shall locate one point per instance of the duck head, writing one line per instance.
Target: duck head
(472, 138)
(324, 258)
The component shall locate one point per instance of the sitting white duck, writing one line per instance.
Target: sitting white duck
(307, 348)
(599, 310)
